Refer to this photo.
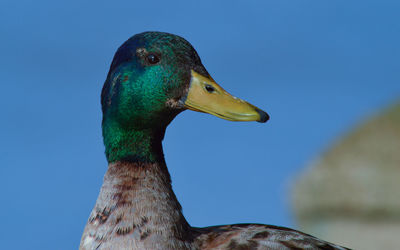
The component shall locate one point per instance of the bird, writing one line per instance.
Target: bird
(153, 77)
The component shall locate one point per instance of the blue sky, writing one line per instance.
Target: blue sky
(318, 67)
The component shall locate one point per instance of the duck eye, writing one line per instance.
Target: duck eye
(152, 59)
(209, 88)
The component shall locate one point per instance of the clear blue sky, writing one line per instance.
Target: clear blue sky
(317, 66)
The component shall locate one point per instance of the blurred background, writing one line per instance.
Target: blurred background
(327, 72)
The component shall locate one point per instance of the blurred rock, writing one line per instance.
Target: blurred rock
(351, 194)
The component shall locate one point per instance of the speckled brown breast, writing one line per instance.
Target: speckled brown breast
(137, 209)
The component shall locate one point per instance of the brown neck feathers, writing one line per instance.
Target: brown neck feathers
(137, 208)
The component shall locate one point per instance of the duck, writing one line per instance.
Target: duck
(153, 77)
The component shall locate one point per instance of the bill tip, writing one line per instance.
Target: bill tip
(264, 117)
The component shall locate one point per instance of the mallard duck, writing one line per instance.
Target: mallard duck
(153, 77)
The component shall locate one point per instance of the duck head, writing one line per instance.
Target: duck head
(153, 77)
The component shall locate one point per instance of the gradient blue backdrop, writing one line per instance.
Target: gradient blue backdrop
(317, 66)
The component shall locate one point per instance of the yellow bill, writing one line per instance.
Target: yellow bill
(205, 95)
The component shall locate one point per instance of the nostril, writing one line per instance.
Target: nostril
(209, 88)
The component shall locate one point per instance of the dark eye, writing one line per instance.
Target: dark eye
(209, 88)
(152, 59)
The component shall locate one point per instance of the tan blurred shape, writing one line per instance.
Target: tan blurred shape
(350, 195)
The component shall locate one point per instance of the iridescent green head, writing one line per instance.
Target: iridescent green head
(152, 78)
(149, 74)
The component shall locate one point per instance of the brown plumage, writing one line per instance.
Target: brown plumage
(137, 209)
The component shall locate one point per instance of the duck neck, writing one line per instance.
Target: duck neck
(132, 145)
(136, 201)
